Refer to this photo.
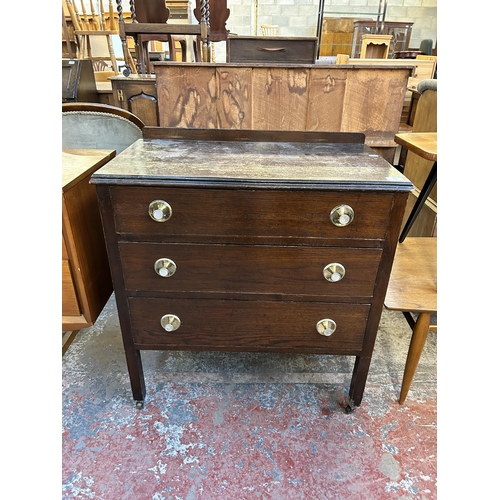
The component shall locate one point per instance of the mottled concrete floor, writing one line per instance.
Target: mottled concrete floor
(246, 426)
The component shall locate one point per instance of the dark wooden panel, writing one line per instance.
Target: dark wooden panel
(248, 325)
(250, 269)
(249, 213)
(138, 95)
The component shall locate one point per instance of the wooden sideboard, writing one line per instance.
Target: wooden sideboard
(267, 241)
(86, 279)
(308, 97)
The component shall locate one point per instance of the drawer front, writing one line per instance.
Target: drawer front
(249, 213)
(250, 269)
(248, 325)
(261, 49)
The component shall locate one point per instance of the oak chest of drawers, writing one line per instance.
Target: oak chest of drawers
(250, 241)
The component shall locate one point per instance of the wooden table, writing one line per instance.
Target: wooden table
(86, 280)
(269, 241)
(423, 144)
(413, 288)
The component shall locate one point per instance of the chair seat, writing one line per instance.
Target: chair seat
(413, 283)
(413, 289)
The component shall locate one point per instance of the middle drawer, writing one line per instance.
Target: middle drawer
(337, 271)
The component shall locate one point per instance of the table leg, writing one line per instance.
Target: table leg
(424, 194)
(417, 343)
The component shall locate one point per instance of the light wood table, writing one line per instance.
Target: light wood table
(424, 144)
(413, 289)
(86, 279)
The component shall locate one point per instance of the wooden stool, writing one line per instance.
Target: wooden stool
(424, 144)
(413, 289)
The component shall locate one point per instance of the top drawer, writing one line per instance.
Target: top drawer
(224, 213)
(244, 49)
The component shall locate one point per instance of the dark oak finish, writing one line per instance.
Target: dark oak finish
(248, 325)
(283, 270)
(137, 94)
(250, 234)
(219, 14)
(78, 82)
(255, 49)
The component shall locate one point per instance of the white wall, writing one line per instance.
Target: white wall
(300, 17)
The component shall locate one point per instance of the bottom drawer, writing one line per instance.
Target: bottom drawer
(241, 325)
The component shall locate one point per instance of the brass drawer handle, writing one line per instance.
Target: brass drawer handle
(342, 215)
(170, 322)
(272, 49)
(326, 327)
(334, 272)
(160, 211)
(165, 267)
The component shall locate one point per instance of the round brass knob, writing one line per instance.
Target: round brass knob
(170, 322)
(326, 327)
(334, 272)
(342, 215)
(165, 267)
(160, 211)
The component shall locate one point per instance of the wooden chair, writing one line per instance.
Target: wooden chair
(413, 289)
(270, 29)
(144, 32)
(99, 126)
(424, 144)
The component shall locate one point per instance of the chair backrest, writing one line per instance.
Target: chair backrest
(98, 126)
(270, 29)
(426, 46)
(151, 11)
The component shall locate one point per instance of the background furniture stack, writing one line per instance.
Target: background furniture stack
(91, 29)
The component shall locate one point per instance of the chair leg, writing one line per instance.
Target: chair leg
(417, 343)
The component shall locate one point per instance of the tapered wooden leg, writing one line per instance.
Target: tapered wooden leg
(417, 343)
(136, 374)
(358, 380)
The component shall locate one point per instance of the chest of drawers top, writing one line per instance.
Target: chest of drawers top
(250, 164)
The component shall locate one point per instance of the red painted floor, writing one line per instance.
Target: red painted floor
(246, 426)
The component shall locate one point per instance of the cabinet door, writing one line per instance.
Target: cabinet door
(139, 99)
